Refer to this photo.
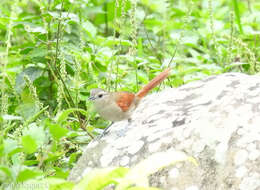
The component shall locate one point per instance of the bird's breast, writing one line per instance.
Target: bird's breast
(109, 110)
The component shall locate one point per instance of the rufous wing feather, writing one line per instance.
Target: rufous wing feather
(124, 100)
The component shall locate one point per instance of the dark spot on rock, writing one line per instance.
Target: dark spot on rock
(147, 121)
(222, 94)
(188, 98)
(229, 182)
(209, 79)
(255, 108)
(234, 138)
(254, 87)
(167, 115)
(151, 121)
(160, 112)
(233, 74)
(170, 103)
(205, 104)
(177, 122)
(191, 88)
(233, 84)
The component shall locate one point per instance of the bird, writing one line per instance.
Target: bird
(118, 106)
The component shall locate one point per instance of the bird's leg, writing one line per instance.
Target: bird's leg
(106, 130)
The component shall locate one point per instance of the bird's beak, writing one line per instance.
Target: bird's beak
(91, 98)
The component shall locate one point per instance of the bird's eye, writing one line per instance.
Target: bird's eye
(100, 95)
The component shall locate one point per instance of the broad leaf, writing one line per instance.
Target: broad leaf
(100, 178)
(57, 131)
(32, 72)
(27, 174)
(29, 144)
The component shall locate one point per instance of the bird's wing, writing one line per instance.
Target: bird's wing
(124, 100)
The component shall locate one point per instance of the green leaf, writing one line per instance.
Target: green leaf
(35, 116)
(26, 50)
(62, 116)
(29, 144)
(99, 67)
(154, 24)
(90, 29)
(100, 178)
(30, 162)
(58, 184)
(27, 174)
(1, 150)
(112, 41)
(9, 145)
(27, 110)
(61, 173)
(234, 64)
(57, 131)
(237, 13)
(73, 157)
(54, 15)
(7, 172)
(32, 72)
(39, 52)
(37, 133)
(158, 5)
(13, 153)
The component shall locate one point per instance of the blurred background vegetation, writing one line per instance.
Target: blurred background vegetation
(52, 52)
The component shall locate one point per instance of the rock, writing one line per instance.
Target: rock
(216, 121)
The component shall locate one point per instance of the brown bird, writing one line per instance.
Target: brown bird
(117, 106)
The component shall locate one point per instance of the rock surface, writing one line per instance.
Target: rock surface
(216, 121)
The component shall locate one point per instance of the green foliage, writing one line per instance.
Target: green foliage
(237, 13)
(53, 52)
(100, 178)
(122, 178)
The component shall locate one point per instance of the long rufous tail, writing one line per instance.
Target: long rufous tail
(153, 83)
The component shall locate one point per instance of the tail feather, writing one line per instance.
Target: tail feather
(153, 83)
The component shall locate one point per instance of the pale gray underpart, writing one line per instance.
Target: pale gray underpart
(216, 121)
